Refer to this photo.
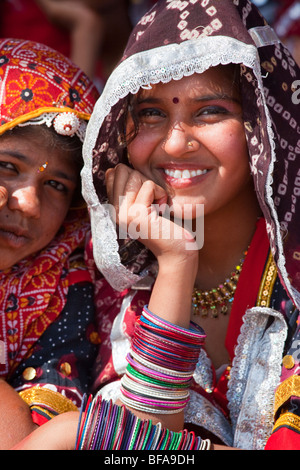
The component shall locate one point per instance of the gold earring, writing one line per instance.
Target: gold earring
(190, 144)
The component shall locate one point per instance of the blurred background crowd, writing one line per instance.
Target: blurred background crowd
(93, 33)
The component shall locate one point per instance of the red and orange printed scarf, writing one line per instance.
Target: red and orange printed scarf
(34, 292)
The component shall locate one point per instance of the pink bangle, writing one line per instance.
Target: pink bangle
(162, 360)
(196, 331)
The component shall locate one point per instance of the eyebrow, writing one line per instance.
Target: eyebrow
(14, 153)
(63, 175)
(204, 98)
(217, 96)
(147, 100)
(56, 173)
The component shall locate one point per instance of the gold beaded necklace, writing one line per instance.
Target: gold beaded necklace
(219, 298)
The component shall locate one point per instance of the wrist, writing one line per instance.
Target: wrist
(180, 263)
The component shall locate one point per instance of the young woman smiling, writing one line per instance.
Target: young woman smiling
(200, 113)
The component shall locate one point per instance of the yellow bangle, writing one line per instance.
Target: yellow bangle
(53, 402)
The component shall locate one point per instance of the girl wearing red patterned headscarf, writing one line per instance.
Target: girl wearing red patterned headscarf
(46, 301)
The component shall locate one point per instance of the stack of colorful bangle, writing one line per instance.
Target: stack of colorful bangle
(162, 360)
(107, 426)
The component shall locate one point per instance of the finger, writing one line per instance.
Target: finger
(143, 217)
(122, 185)
(133, 186)
(151, 193)
(3, 196)
(109, 183)
(141, 194)
(116, 180)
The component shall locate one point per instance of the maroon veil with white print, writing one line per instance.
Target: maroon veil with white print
(178, 38)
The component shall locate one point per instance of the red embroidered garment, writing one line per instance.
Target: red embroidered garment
(33, 293)
(36, 79)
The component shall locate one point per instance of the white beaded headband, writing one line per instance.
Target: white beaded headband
(65, 123)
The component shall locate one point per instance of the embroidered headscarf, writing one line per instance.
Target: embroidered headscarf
(40, 86)
(176, 39)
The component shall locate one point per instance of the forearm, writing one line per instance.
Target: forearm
(164, 352)
(156, 387)
(168, 302)
(58, 434)
(172, 292)
(85, 26)
(15, 417)
(82, 40)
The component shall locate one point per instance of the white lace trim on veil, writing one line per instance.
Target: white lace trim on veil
(162, 64)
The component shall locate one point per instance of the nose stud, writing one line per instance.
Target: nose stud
(190, 144)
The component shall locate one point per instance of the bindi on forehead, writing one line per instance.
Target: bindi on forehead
(175, 100)
(43, 167)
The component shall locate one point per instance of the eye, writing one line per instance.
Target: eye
(57, 185)
(7, 166)
(212, 110)
(212, 114)
(150, 115)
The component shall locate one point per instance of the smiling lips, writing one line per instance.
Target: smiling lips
(184, 174)
(184, 178)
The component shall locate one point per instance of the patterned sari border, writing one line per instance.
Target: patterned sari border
(287, 389)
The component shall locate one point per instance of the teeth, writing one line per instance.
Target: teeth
(182, 174)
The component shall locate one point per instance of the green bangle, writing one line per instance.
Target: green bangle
(133, 439)
(147, 435)
(151, 380)
(174, 441)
